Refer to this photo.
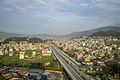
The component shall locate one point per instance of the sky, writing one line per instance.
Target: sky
(57, 17)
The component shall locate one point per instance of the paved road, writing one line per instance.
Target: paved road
(69, 65)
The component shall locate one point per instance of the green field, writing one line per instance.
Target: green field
(14, 60)
(2, 78)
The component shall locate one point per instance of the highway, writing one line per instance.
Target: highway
(69, 64)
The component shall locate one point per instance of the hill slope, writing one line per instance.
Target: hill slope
(103, 31)
(6, 35)
(106, 33)
(108, 30)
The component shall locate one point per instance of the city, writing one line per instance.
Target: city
(59, 39)
(87, 58)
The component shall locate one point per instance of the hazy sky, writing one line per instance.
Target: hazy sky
(57, 16)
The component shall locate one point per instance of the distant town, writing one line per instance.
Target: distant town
(88, 55)
(59, 39)
(24, 58)
(100, 56)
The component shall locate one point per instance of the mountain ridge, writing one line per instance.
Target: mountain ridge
(92, 32)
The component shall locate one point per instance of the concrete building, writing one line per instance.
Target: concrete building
(11, 52)
(1, 52)
(33, 53)
(22, 55)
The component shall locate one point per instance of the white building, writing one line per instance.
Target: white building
(22, 55)
(46, 53)
(1, 52)
(33, 53)
(11, 52)
(6, 51)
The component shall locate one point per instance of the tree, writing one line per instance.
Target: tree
(112, 70)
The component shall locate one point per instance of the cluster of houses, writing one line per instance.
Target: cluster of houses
(91, 50)
(16, 73)
(12, 47)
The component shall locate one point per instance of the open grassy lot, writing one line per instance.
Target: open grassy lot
(14, 60)
(2, 78)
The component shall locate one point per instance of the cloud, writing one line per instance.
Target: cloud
(12, 4)
(97, 1)
(107, 6)
(19, 8)
(7, 9)
(59, 14)
(115, 1)
(57, 1)
(40, 1)
(64, 1)
(84, 4)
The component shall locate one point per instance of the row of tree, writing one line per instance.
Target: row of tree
(19, 39)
